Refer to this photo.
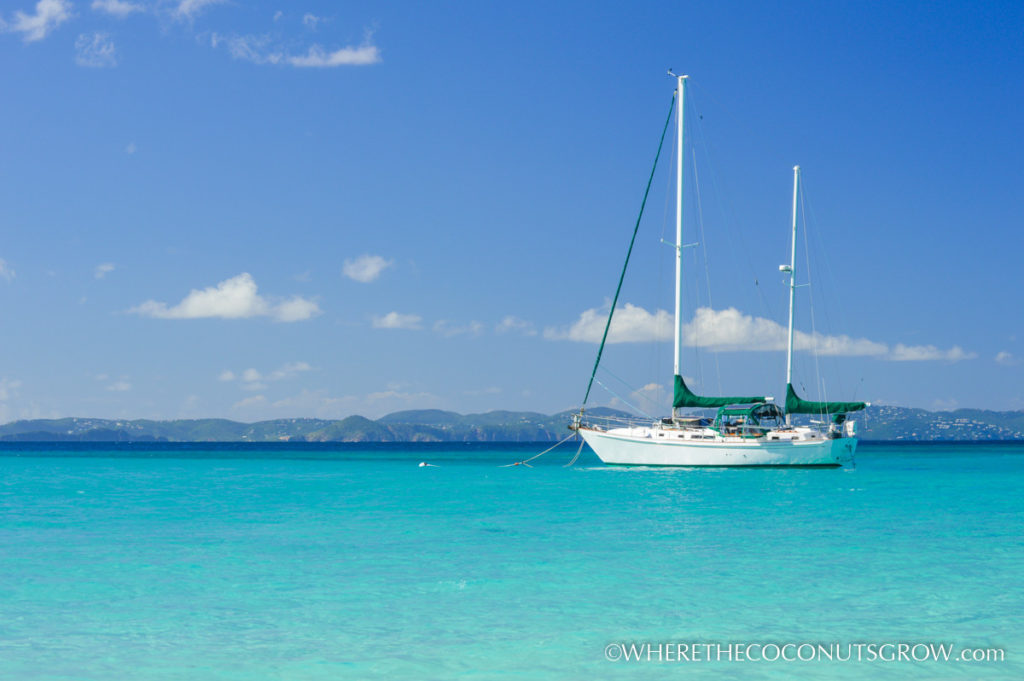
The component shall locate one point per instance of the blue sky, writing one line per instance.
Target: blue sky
(256, 209)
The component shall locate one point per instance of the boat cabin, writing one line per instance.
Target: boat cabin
(744, 420)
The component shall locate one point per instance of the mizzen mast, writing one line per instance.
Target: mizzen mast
(792, 283)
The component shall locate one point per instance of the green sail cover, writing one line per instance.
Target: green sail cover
(684, 397)
(795, 405)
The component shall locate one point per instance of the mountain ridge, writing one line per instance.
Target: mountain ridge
(435, 425)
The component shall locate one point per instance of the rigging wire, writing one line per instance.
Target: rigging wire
(729, 217)
(631, 389)
(695, 293)
(831, 286)
(730, 232)
(620, 398)
(636, 228)
(810, 295)
(707, 266)
(658, 356)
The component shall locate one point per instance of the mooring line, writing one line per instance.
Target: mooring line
(526, 462)
(578, 452)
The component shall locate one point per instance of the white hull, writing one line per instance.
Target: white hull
(632, 450)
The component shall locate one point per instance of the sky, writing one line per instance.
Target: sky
(254, 210)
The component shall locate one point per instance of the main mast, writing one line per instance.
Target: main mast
(792, 284)
(681, 108)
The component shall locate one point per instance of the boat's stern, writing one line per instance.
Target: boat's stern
(844, 449)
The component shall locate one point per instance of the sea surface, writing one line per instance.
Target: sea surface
(253, 562)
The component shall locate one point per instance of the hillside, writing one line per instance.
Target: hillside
(432, 425)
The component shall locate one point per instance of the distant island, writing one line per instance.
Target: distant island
(434, 425)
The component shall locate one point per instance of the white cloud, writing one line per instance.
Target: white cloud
(251, 48)
(278, 14)
(631, 324)
(645, 399)
(9, 388)
(131, 148)
(296, 309)
(264, 49)
(254, 380)
(254, 401)
(1006, 358)
(5, 271)
(317, 57)
(289, 370)
(395, 320)
(510, 324)
(311, 20)
(651, 391)
(365, 268)
(447, 329)
(118, 8)
(103, 270)
(235, 298)
(49, 14)
(119, 386)
(188, 9)
(732, 330)
(921, 353)
(95, 50)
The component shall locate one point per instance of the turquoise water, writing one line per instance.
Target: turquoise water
(348, 562)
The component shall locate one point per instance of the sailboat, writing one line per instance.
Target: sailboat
(745, 431)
